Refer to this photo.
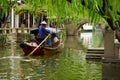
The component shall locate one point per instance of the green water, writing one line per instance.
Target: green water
(70, 64)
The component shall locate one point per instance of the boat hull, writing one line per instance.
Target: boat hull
(27, 49)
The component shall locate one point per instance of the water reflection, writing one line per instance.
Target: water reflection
(111, 70)
(74, 42)
(87, 38)
(38, 67)
(70, 64)
(92, 39)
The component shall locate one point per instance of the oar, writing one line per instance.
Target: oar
(39, 45)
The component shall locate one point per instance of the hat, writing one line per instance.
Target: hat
(43, 22)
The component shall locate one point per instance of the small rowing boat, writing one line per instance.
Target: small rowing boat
(38, 49)
(28, 47)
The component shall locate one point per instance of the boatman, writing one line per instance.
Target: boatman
(43, 32)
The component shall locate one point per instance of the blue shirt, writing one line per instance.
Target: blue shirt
(42, 32)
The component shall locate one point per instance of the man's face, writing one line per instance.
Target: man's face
(44, 25)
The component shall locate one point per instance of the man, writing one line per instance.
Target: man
(43, 32)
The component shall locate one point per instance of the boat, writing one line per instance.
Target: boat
(28, 47)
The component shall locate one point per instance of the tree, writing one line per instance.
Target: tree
(5, 7)
(109, 10)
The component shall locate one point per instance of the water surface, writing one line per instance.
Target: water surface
(70, 64)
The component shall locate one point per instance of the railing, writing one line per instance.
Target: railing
(14, 30)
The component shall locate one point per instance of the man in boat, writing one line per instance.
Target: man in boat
(43, 32)
(35, 37)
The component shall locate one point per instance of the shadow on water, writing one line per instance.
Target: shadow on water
(111, 71)
(74, 42)
(70, 64)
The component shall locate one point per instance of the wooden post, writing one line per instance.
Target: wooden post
(16, 21)
(12, 18)
(28, 20)
(109, 46)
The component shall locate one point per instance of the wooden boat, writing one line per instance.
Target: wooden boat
(28, 48)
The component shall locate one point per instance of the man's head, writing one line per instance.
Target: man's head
(43, 23)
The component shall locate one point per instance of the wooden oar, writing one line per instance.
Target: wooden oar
(39, 45)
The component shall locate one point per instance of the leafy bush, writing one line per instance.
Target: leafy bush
(3, 39)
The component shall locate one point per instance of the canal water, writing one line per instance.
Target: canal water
(70, 64)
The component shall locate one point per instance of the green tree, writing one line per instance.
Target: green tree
(109, 10)
(5, 8)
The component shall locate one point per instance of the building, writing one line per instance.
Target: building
(17, 21)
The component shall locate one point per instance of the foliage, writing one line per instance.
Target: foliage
(107, 9)
(63, 10)
(3, 39)
(60, 9)
(27, 36)
(6, 6)
(73, 9)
